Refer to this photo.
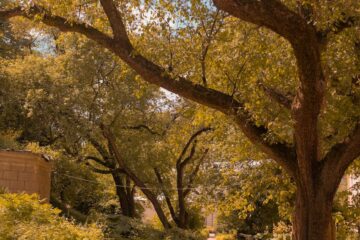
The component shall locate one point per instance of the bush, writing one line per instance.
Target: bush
(25, 217)
(225, 236)
(124, 228)
(83, 196)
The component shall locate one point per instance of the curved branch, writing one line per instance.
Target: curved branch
(97, 170)
(271, 14)
(341, 155)
(191, 155)
(194, 173)
(99, 161)
(167, 198)
(99, 147)
(338, 26)
(157, 75)
(142, 126)
(61, 23)
(307, 104)
(179, 161)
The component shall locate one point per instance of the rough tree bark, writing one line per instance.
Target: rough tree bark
(317, 178)
(312, 217)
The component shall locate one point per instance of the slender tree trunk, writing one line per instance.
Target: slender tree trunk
(167, 198)
(312, 217)
(158, 209)
(182, 219)
(151, 197)
(132, 203)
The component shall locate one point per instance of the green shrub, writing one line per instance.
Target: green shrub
(25, 217)
(225, 236)
(124, 228)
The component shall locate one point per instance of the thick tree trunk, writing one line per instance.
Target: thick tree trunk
(312, 217)
(127, 207)
(129, 196)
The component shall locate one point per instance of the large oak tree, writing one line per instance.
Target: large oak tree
(307, 30)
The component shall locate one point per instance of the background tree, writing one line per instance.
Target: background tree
(174, 163)
(49, 93)
(73, 122)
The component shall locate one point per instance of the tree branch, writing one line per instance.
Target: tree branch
(137, 181)
(275, 95)
(99, 147)
(179, 161)
(307, 104)
(206, 45)
(99, 161)
(194, 173)
(61, 23)
(180, 170)
(271, 14)
(112, 145)
(157, 75)
(191, 155)
(167, 198)
(338, 26)
(142, 126)
(341, 155)
(6, 14)
(116, 22)
(97, 170)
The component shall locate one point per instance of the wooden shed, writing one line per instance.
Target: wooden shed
(24, 171)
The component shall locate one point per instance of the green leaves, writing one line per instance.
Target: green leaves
(25, 217)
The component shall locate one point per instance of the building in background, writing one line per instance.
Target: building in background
(23, 171)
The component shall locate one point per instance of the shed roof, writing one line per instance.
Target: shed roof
(46, 157)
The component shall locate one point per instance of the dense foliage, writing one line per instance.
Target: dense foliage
(25, 217)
